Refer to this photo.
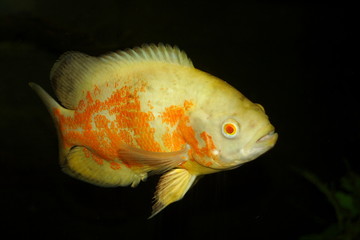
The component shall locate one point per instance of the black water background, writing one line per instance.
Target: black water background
(298, 60)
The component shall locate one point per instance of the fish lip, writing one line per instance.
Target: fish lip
(271, 134)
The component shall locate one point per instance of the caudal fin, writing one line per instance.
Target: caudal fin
(51, 105)
(49, 102)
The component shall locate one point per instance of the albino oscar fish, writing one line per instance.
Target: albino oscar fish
(130, 114)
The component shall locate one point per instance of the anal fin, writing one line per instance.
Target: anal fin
(172, 187)
(81, 163)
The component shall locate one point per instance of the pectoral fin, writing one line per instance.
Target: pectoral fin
(156, 162)
(172, 187)
(81, 163)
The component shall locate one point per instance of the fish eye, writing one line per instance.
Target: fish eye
(230, 128)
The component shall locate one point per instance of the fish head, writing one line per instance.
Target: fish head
(240, 131)
(244, 136)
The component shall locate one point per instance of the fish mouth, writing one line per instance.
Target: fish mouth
(268, 136)
(262, 145)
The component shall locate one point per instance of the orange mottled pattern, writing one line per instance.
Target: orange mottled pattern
(104, 125)
(207, 149)
(173, 118)
(184, 133)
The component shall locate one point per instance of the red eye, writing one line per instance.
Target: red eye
(230, 128)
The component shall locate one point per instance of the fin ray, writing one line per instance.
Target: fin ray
(172, 187)
(150, 52)
(81, 164)
(51, 104)
(71, 75)
(156, 162)
(75, 73)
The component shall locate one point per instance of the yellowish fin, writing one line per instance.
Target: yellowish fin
(156, 162)
(171, 188)
(83, 164)
(75, 73)
(51, 104)
(71, 76)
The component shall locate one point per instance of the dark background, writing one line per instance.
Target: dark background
(296, 59)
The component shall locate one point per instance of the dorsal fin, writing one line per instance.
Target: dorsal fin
(70, 75)
(75, 73)
(149, 53)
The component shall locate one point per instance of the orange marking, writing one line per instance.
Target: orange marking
(101, 121)
(172, 115)
(104, 136)
(209, 143)
(150, 105)
(104, 125)
(184, 133)
(97, 159)
(188, 105)
(173, 141)
(208, 164)
(188, 132)
(88, 154)
(89, 97)
(81, 105)
(115, 165)
(97, 90)
(203, 154)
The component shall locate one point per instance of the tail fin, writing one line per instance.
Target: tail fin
(51, 104)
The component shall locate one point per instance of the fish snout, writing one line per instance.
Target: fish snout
(269, 137)
(261, 144)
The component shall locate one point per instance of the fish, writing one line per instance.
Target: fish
(127, 115)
